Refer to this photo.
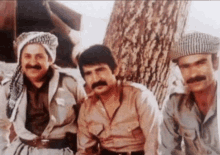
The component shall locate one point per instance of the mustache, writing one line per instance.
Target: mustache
(34, 67)
(196, 79)
(99, 83)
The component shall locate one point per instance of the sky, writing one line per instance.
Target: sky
(95, 17)
(203, 16)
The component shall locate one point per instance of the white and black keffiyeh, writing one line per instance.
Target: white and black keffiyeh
(16, 88)
(50, 43)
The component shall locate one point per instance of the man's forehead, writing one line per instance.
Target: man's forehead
(34, 49)
(193, 58)
(95, 66)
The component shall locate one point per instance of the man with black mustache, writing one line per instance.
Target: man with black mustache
(118, 117)
(190, 111)
(39, 100)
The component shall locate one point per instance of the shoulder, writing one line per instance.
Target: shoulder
(134, 86)
(71, 76)
(5, 85)
(5, 81)
(176, 98)
(138, 89)
(175, 94)
(89, 101)
(140, 92)
(69, 73)
(67, 78)
(5, 89)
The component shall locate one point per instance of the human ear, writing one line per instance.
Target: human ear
(215, 63)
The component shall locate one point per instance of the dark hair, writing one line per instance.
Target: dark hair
(97, 54)
(214, 57)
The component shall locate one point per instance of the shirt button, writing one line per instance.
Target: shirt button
(209, 152)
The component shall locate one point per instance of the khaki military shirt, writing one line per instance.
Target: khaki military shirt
(183, 125)
(62, 96)
(134, 125)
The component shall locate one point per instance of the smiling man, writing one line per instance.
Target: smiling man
(118, 117)
(190, 113)
(39, 100)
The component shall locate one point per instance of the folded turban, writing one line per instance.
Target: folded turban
(48, 40)
(195, 43)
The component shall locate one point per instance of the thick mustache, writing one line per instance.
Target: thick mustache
(99, 83)
(34, 67)
(196, 79)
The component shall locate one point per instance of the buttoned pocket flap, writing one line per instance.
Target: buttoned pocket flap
(60, 101)
(96, 129)
(188, 133)
(65, 98)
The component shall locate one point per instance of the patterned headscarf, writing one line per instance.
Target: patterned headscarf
(49, 42)
(195, 43)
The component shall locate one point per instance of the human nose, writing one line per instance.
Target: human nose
(33, 61)
(193, 71)
(95, 77)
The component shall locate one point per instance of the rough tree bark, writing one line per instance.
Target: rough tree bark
(140, 34)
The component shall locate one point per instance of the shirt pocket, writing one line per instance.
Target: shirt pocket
(96, 129)
(135, 130)
(188, 133)
(193, 143)
(64, 98)
(62, 108)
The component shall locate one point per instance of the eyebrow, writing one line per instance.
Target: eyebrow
(197, 62)
(100, 68)
(201, 60)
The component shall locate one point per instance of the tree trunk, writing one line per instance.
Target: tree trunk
(140, 34)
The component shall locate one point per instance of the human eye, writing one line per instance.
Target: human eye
(201, 62)
(40, 56)
(87, 73)
(184, 66)
(27, 56)
(100, 69)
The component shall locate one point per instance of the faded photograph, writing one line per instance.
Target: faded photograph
(109, 77)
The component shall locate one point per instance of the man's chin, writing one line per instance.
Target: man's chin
(35, 77)
(197, 87)
(100, 90)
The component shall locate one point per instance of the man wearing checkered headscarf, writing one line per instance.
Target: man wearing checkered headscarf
(39, 100)
(190, 111)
